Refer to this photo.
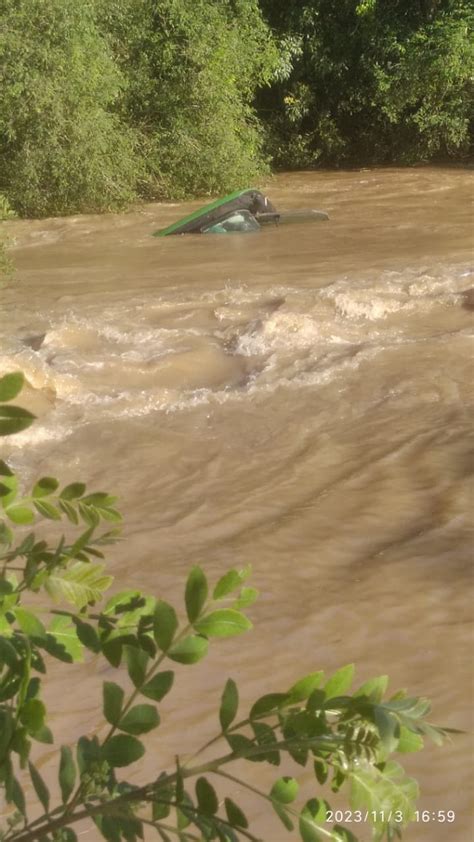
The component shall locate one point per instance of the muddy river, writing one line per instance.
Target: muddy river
(298, 399)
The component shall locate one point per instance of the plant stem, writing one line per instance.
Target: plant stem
(155, 665)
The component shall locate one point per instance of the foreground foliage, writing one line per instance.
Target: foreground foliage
(348, 739)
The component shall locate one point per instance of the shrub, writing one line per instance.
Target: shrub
(6, 212)
(192, 71)
(107, 100)
(62, 149)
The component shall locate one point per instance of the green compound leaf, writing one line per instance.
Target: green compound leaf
(87, 635)
(140, 719)
(137, 662)
(32, 715)
(87, 753)
(196, 593)
(207, 799)
(225, 622)
(388, 728)
(113, 696)
(5, 470)
(158, 686)
(311, 823)
(8, 653)
(62, 631)
(15, 794)
(79, 585)
(113, 652)
(240, 745)
(409, 741)
(44, 487)
(190, 650)
(29, 623)
(14, 419)
(226, 584)
(340, 682)
(235, 815)
(100, 498)
(321, 770)
(44, 735)
(7, 726)
(34, 687)
(22, 515)
(229, 704)
(282, 814)
(165, 624)
(110, 828)
(68, 834)
(230, 581)
(67, 773)
(303, 688)
(161, 808)
(47, 510)
(21, 745)
(123, 601)
(266, 739)
(6, 588)
(6, 534)
(122, 750)
(384, 791)
(69, 511)
(266, 704)
(80, 543)
(73, 491)
(374, 688)
(11, 385)
(8, 487)
(247, 597)
(6, 630)
(40, 787)
(109, 513)
(89, 514)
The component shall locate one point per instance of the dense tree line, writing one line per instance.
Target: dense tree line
(106, 101)
(370, 81)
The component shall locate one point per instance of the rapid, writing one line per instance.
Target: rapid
(298, 399)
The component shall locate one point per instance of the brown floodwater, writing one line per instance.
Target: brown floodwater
(298, 399)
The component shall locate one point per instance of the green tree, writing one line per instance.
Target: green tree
(347, 738)
(6, 212)
(104, 101)
(192, 71)
(62, 148)
(370, 82)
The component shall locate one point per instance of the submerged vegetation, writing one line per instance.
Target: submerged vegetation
(108, 101)
(53, 606)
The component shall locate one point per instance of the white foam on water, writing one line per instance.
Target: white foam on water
(221, 345)
(40, 433)
(281, 330)
(368, 307)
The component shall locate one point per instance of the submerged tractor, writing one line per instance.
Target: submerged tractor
(241, 212)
